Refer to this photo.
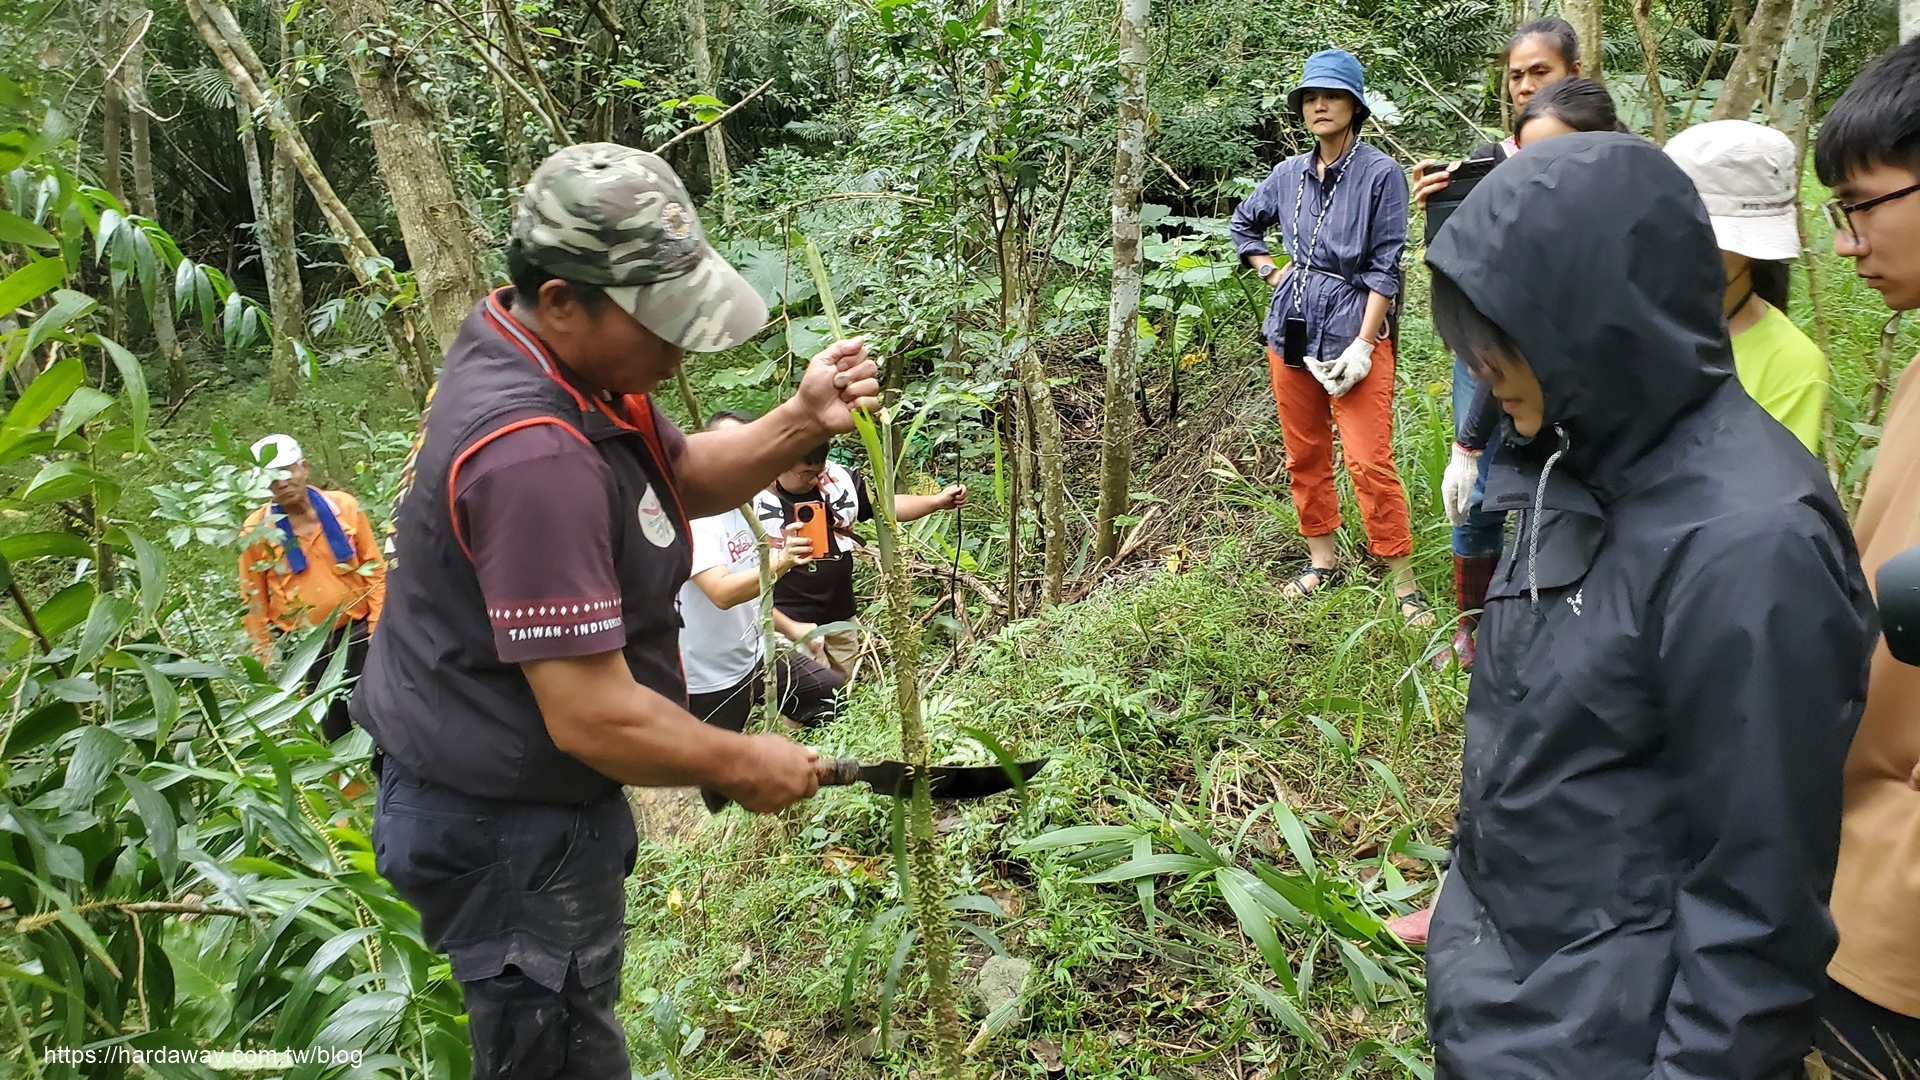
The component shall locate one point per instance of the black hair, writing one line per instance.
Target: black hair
(1773, 282)
(815, 456)
(1467, 331)
(1556, 30)
(1876, 122)
(527, 277)
(1580, 103)
(738, 416)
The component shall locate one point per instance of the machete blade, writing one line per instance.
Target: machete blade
(949, 781)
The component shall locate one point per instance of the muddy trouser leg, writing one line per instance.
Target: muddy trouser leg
(809, 690)
(524, 1031)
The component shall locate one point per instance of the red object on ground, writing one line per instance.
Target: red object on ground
(1412, 929)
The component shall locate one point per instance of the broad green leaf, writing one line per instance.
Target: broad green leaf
(95, 753)
(30, 282)
(152, 564)
(156, 813)
(1254, 921)
(67, 306)
(1152, 864)
(1296, 836)
(39, 545)
(18, 230)
(1286, 1012)
(103, 233)
(288, 1032)
(108, 616)
(68, 479)
(1198, 845)
(41, 726)
(45, 394)
(133, 383)
(66, 609)
(85, 404)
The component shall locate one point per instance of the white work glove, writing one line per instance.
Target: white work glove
(1456, 486)
(1345, 371)
(1317, 368)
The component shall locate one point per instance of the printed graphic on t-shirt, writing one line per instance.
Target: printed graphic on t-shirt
(539, 621)
(654, 524)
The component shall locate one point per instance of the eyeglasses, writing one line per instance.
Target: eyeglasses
(1840, 214)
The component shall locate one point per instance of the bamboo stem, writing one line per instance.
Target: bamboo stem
(928, 893)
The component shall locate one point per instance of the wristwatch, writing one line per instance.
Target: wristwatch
(1265, 273)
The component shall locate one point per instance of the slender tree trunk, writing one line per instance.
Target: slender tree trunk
(1656, 95)
(1123, 311)
(1014, 467)
(433, 220)
(1909, 20)
(165, 335)
(1746, 82)
(1797, 80)
(1049, 446)
(218, 28)
(283, 376)
(279, 245)
(719, 175)
(113, 148)
(1585, 17)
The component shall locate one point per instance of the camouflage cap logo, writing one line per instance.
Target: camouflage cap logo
(675, 222)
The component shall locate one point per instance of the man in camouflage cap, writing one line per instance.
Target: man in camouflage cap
(528, 660)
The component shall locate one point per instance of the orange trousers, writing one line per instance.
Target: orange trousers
(1365, 418)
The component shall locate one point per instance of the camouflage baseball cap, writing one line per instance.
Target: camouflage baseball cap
(609, 215)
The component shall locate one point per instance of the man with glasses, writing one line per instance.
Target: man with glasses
(1869, 154)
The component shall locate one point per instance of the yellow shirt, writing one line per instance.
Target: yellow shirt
(1784, 371)
(278, 597)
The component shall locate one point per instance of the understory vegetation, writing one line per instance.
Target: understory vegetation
(202, 240)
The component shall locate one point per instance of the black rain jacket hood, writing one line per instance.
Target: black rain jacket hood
(1671, 661)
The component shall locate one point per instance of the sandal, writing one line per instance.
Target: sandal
(1298, 587)
(1416, 609)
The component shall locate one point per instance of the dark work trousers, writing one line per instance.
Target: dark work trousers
(1861, 1039)
(529, 902)
(336, 723)
(809, 694)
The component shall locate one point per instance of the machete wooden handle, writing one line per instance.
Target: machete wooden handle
(837, 772)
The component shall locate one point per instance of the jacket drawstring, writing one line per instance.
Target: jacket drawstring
(1533, 519)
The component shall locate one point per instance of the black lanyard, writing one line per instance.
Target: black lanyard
(1304, 266)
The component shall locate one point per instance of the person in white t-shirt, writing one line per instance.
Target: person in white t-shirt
(721, 646)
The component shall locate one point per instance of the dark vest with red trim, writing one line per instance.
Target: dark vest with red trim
(434, 694)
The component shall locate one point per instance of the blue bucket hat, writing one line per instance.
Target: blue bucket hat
(1332, 69)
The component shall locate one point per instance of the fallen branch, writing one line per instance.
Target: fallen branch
(30, 923)
(698, 128)
(174, 410)
(485, 46)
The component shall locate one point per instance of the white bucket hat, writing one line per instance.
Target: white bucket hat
(1747, 176)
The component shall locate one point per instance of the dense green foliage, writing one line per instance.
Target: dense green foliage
(1243, 788)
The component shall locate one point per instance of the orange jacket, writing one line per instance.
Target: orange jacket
(277, 597)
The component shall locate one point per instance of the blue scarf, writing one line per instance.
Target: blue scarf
(329, 525)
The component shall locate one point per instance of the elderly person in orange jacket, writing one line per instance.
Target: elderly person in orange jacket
(316, 561)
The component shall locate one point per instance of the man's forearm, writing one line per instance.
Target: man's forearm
(641, 738)
(722, 469)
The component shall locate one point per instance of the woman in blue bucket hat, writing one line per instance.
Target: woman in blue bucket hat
(1341, 210)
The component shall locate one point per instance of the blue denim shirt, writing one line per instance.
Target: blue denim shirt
(1359, 247)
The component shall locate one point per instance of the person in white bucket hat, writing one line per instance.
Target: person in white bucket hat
(1748, 178)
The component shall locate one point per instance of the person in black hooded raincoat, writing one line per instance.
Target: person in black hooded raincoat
(1672, 659)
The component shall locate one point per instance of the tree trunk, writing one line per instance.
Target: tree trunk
(1123, 311)
(433, 220)
(165, 335)
(1049, 447)
(113, 146)
(513, 124)
(1585, 17)
(1656, 95)
(1909, 20)
(1797, 80)
(719, 176)
(283, 375)
(223, 36)
(1746, 81)
(279, 246)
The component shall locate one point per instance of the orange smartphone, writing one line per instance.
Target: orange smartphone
(812, 517)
